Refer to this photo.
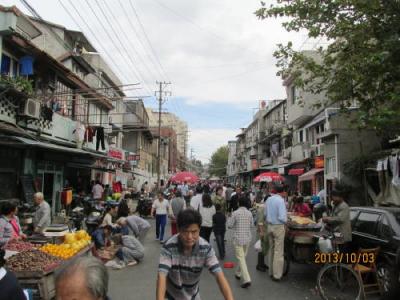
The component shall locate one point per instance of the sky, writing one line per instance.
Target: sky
(217, 56)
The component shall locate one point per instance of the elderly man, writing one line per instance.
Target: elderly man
(137, 225)
(42, 217)
(84, 278)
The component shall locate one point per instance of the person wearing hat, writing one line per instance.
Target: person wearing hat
(340, 218)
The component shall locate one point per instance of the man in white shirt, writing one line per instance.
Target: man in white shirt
(97, 191)
(196, 201)
(160, 208)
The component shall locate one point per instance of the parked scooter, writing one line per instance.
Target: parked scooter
(94, 214)
(144, 206)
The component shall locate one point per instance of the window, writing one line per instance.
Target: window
(366, 223)
(302, 136)
(330, 165)
(9, 66)
(353, 215)
(385, 231)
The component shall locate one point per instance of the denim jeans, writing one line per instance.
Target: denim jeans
(161, 221)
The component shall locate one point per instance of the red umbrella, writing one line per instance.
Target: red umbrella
(268, 177)
(184, 176)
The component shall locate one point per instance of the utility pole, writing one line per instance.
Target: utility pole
(160, 93)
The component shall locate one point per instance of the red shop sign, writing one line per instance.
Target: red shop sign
(115, 153)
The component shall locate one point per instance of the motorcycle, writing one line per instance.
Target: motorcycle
(94, 214)
(144, 206)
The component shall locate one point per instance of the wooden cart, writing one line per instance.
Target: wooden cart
(42, 284)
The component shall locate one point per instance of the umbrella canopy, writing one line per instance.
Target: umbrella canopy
(268, 177)
(184, 176)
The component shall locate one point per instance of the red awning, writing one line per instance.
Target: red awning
(310, 174)
(296, 172)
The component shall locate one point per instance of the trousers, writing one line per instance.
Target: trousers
(100, 138)
(161, 221)
(242, 271)
(220, 239)
(276, 240)
(205, 232)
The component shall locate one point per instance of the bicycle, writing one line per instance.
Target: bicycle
(338, 281)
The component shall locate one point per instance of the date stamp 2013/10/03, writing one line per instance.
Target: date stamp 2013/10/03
(345, 258)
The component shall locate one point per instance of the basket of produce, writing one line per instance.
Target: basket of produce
(303, 224)
(32, 263)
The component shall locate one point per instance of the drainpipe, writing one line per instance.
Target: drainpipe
(337, 157)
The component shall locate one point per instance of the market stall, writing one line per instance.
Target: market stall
(35, 265)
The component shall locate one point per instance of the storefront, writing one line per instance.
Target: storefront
(10, 172)
(311, 182)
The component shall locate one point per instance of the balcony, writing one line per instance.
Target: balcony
(317, 150)
(266, 161)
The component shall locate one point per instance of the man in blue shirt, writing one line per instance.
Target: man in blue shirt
(276, 217)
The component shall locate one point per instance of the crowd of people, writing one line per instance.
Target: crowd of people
(195, 212)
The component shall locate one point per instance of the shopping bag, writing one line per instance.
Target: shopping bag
(257, 246)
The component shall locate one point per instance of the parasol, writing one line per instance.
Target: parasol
(184, 176)
(268, 177)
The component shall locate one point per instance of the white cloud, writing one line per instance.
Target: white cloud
(206, 141)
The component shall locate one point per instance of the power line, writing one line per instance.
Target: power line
(122, 74)
(129, 42)
(146, 37)
(110, 37)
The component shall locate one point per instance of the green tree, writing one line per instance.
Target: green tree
(219, 161)
(361, 61)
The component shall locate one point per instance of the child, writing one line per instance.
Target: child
(219, 221)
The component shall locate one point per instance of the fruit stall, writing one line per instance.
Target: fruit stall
(35, 265)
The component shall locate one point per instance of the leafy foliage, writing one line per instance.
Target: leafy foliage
(361, 62)
(219, 161)
(20, 84)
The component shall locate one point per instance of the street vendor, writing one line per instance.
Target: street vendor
(42, 216)
(340, 218)
(101, 237)
(111, 211)
(10, 228)
(300, 208)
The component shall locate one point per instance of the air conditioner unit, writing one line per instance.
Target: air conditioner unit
(31, 109)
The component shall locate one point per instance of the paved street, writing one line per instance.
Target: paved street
(139, 282)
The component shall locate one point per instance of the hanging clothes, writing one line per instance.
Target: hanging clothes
(100, 138)
(47, 113)
(26, 65)
(79, 132)
(89, 134)
(395, 165)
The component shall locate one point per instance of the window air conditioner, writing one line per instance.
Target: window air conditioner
(31, 109)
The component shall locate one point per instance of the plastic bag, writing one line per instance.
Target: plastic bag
(257, 246)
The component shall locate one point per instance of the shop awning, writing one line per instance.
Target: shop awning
(296, 172)
(55, 147)
(310, 174)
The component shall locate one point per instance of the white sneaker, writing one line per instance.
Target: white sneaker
(119, 265)
(131, 263)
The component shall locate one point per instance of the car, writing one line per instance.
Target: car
(380, 227)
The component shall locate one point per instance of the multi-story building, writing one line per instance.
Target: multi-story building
(303, 138)
(181, 130)
(55, 124)
(231, 170)
(138, 140)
